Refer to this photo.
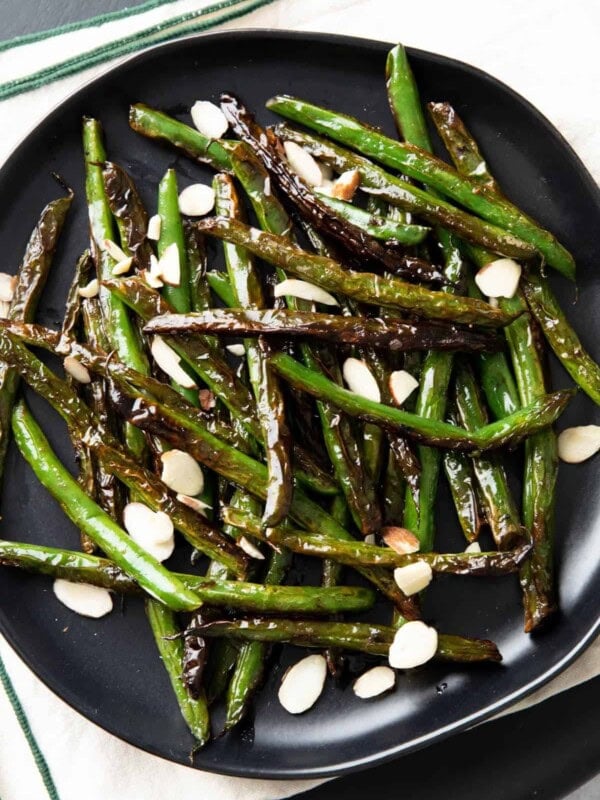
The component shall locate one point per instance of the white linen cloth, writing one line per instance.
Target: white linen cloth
(547, 51)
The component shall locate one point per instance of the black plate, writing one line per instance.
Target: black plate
(108, 670)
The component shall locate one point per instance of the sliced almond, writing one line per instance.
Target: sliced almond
(91, 289)
(83, 598)
(303, 684)
(370, 538)
(235, 349)
(474, 547)
(499, 278)
(199, 506)
(168, 360)
(8, 284)
(414, 644)
(360, 379)
(250, 549)
(197, 200)
(402, 384)
(303, 164)
(76, 370)
(304, 290)
(181, 472)
(113, 250)
(121, 267)
(374, 681)
(400, 540)
(579, 443)
(413, 578)
(154, 227)
(153, 281)
(344, 188)
(168, 268)
(152, 530)
(209, 119)
(4, 309)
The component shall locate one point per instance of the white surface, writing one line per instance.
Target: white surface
(546, 50)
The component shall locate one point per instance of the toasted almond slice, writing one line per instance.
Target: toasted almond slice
(169, 266)
(579, 443)
(199, 506)
(76, 370)
(303, 684)
(360, 379)
(8, 284)
(153, 281)
(121, 267)
(197, 200)
(91, 289)
(413, 578)
(325, 188)
(209, 119)
(303, 164)
(152, 530)
(83, 598)
(474, 547)
(370, 538)
(374, 681)
(346, 185)
(402, 385)
(499, 278)
(113, 250)
(250, 549)
(414, 644)
(168, 360)
(181, 472)
(4, 309)
(305, 291)
(154, 227)
(400, 540)
(235, 349)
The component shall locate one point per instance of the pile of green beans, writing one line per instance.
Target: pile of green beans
(305, 446)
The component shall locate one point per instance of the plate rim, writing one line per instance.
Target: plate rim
(345, 766)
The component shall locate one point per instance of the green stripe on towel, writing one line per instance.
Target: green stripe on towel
(24, 723)
(157, 34)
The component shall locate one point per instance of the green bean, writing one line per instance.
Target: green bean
(541, 460)
(423, 166)
(541, 413)
(459, 471)
(214, 591)
(31, 279)
(378, 332)
(155, 579)
(500, 509)
(171, 648)
(129, 213)
(361, 286)
(384, 228)
(361, 554)
(560, 335)
(267, 392)
(119, 327)
(156, 125)
(252, 657)
(362, 637)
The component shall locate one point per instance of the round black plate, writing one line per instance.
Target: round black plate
(109, 669)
